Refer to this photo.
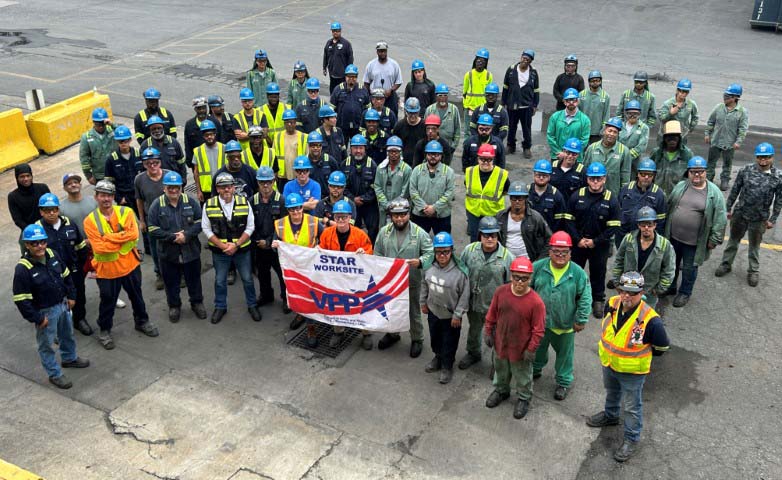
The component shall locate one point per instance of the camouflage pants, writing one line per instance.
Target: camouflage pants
(738, 227)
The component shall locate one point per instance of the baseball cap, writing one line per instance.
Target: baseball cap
(70, 176)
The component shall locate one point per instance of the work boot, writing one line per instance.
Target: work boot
(77, 363)
(496, 398)
(148, 328)
(511, 148)
(600, 420)
(105, 340)
(231, 277)
(560, 393)
(83, 326)
(753, 278)
(627, 450)
(217, 315)
(521, 409)
(434, 365)
(388, 340)
(366, 341)
(61, 382)
(199, 310)
(722, 270)
(336, 339)
(468, 361)
(597, 309)
(527, 153)
(724, 184)
(159, 283)
(415, 348)
(297, 322)
(681, 300)
(173, 314)
(255, 314)
(446, 375)
(312, 337)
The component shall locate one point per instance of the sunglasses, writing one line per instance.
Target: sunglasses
(36, 243)
(559, 253)
(442, 253)
(520, 278)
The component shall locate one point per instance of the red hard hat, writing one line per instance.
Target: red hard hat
(521, 265)
(560, 239)
(432, 120)
(486, 150)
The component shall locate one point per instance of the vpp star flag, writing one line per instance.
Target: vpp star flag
(347, 289)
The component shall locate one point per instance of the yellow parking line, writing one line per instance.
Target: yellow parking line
(12, 472)
(767, 246)
(28, 77)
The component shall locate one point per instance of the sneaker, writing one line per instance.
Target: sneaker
(560, 393)
(83, 326)
(388, 340)
(415, 348)
(105, 340)
(173, 314)
(336, 339)
(446, 375)
(159, 283)
(61, 382)
(600, 420)
(77, 363)
(724, 184)
(148, 328)
(121, 303)
(468, 361)
(681, 300)
(199, 310)
(627, 450)
(521, 409)
(496, 398)
(366, 342)
(297, 322)
(231, 278)
(753, 278)
(434, 365)
(722, 270)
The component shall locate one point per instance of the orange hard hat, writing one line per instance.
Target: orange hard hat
(486, 150)
(560, 239)
(521, 265)
(432, 120)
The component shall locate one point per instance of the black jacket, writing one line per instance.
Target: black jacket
(515, 97)
(534, 231)
(337, 56)
(562, 83)
(23, 204)
(164, 221)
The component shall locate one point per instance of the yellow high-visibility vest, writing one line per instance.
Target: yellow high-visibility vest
(623, 351)
(487, 200)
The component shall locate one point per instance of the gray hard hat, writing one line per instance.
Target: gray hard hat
(641, 76)
(399, 205)
(224, 178)
(105, 186)
(631, 282)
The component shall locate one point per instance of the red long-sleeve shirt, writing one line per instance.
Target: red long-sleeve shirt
(520, 322)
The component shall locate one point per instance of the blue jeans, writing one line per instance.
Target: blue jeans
(685, 263)
(243, 263)
(630, 386)
(59, 327)
(472, 226)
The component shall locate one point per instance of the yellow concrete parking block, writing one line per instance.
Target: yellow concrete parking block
(15, 144)
(60, 125)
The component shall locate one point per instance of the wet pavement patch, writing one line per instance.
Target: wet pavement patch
(35, 38)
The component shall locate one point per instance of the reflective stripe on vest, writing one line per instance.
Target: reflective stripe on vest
(617, 350)
(245, 127)
(204, 169)
(306, 236)
(279, 149)
(249, 159)
(215, 212)
(102, 225)
(487, 200)
(275, 123)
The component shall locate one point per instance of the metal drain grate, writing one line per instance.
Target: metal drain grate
(190, 189)
(323, 333)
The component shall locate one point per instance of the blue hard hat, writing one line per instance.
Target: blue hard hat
(529, 53)
(572, 145)
(646, 214)
(215, 101)
(173, 179)
(696, 162)
(492, 88)
(335, 26)
(100, 114)
(246, 94)
(489, 225)
(149, 153)
(293, 200)
(647, 165)
(261, 55)
(372, 115)
(433, 147)
(518, 189)
(122, 133)
(326, 111)
(482, 53)
(485, 119)
(412, 105)
(314, 137)
(594, 74)
(299, 66)
(337, 178)
(48, 200)
(264, 174)
(572, 58)
(441, 89)
(351, 70)
(442, 240)
(633, 105)
(764, 150)
(596, 169)
(155, 120)
(417, 65)
(207, 125)
(358, 140)
(342, 207)
(272, 88)
(233, 146)
(394, 142)
(615, 122)
(542, 166)
(152, 94)
(288, 114)
(570, 94)
(302, 162)
(34, 232)
(734, 89)
(312, 83)
(684, 84)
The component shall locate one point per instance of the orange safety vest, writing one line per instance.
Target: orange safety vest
(112, 264)
(623, 351)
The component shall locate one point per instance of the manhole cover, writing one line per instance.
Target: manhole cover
(323, 332)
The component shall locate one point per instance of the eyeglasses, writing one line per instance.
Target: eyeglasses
(632, 114)
(36, 243)
(698, 172)
(399, 215)
(153, 162)
(489, 235)
(337, 187)
(340, 218)
(646, 174)
(559, 253)
(517, 198)
(646, 225)
(520, 278)
(485, 160)
(299, 172)
(571, 100)
(442, 253)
